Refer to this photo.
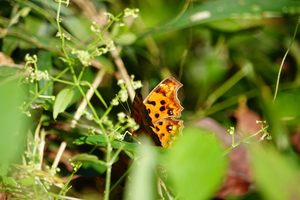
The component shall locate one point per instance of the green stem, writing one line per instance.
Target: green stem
(64, 189)
(123, 176)
(62, 81)
(81, 72)
(96, 92)
(226, 86)
(102, 33)
(42, 186)
(61, 34)
(36, 82)
(108, 170)
(284, 57)
(232, 139)
(89, 103)
(117, 153)
(34, 186)
(244, 140)
(23, 71)
(106, 112)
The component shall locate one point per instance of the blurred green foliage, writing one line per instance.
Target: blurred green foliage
(220, 50)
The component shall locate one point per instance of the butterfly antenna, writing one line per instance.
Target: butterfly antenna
(126, 109)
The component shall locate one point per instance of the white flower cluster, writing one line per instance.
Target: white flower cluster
(37, 75)
(83, 56)
(109, 47)
(135, 84)
(131, 12)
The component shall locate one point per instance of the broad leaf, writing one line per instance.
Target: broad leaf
(276, 176)
(62, 100)
(195, 166)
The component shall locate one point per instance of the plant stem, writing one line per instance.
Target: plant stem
(226, 86)
(244, 140)
(108, 170)
(102, 33)
(284, 57)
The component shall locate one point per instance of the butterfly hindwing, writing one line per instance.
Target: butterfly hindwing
(141, 117)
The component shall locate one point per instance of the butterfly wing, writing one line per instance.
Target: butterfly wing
(168, 129)
(162, 105)
(140, 115)
(162, 102)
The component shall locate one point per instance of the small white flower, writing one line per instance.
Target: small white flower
(123, 95)
(136, 84)
(121, 81)
(131, 122)
(115, 101)
(121, 117)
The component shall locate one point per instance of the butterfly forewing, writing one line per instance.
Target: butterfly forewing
(162, 102)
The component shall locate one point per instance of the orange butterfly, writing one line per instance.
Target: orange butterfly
(156, 113)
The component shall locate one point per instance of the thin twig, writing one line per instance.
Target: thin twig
(121, 67)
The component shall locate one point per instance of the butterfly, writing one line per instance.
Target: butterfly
(155, 114)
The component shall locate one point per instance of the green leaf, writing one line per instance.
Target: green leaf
(79, 27)
(27, 39)
(195, 166)
(288, 111)
(26, 181)
(24, 11)
(4, 168)
(62, 100)
(9, 181)
(277, 177)
(3, 33)
(125, 38)
(101, 141)
(100, 168)
(142, 182)
(47, 105)
(13, 122)
(212, 11)
(8, 71)
(87, 158)
(8, 44)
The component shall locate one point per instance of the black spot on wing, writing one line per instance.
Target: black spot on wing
(162, 102)
(167, 82)
(161, 91)
(162, 108)
(151, 102)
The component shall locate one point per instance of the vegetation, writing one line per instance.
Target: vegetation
(69, 70)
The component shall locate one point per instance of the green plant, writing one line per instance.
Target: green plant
(220, 50)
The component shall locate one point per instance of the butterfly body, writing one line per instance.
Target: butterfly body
(156, 113)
